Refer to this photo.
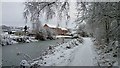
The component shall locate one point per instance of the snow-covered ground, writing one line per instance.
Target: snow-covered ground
(72, 53)
(62, 36)
(8, 39)
(84, 55)
(61, 55)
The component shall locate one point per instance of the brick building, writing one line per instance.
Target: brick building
(58, 31)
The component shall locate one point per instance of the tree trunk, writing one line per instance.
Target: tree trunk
(107, 32)
(118, 34)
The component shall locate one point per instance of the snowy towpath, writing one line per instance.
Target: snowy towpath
(84, 55)
(71, 53)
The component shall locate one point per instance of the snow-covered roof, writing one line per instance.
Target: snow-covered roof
(63, 28)
(54, 26)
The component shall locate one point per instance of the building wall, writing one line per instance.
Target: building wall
(58, 31)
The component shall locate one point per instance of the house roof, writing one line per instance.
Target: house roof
(53, 26)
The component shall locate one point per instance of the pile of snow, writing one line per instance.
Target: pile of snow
(32, 39)
(13, 42)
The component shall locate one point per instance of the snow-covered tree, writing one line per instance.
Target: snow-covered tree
(35, 10)
(103, 21)
(50, 33)
(81, 30)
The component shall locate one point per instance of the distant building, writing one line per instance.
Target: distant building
(11, 29)
(59, 31)
(5, 28)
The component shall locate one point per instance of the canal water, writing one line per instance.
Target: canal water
(34, 50)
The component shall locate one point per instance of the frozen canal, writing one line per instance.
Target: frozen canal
(34, 49)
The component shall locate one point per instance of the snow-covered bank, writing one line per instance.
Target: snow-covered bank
(57, 55)
(73, 53)
(77, 52)
(107, 56)
(60, 55)
(9, 39)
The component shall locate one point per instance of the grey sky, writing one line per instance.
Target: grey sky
(12, 15)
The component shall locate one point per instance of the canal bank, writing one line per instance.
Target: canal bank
(34, 49)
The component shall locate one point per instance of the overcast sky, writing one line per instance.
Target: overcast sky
(12, 15)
